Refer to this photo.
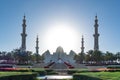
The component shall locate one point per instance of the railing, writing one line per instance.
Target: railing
(49, 65)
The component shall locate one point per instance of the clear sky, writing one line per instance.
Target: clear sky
(47, 18)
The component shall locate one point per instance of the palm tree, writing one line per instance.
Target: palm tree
(76, 58)
(94, 56)
(97, 56)
(117, 55)
(109, 57)
(89, 55)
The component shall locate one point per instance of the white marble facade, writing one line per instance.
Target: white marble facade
(59, 56)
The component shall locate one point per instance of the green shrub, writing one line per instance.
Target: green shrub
(71, 71)
(40, 72)
(48, 70)
(113, 67)
(51, 73)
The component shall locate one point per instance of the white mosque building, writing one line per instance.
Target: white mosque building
(59, 56)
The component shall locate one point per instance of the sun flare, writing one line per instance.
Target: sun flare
(63, 36)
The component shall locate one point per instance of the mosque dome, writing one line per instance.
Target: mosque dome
(59, 50)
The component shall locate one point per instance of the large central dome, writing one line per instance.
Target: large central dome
(59, 50)
(59, 56)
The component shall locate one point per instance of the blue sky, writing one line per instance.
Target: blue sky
(41, 13)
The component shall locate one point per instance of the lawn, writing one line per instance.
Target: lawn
(79, 72)
(18, 71)
(18, 75)
(102, 75)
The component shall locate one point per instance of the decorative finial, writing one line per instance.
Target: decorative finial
(37, 35)
(82, 36)
(96, 16)
(24, 15)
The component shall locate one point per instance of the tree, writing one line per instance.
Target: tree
(21, 57)
(38, 58)
(87, 58)
(94, 56)
(9, 56)
(76, 58)
(97, 56)
(109, 57)
(117, 55)
(28, 57)
(89, 55)
(15, 55)
(81, 57)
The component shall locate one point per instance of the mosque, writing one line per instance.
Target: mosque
(59, 56)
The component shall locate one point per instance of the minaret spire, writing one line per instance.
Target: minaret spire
(37, 48)
(82, 45)
(23, 34)
(96, 35)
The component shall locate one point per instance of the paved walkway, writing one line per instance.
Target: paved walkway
(59, 66)
(56, 77)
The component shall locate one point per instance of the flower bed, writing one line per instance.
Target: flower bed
(16, 69)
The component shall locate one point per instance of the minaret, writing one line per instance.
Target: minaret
(37, 49)
(23, 34)
(82, 45)
(96, 35)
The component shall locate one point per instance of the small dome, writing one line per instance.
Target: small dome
(46, 52)
(59, 50)
(72, 53)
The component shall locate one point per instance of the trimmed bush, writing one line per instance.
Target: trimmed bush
(48, 70)
(71, 71)
(52, 73)
(113, 67)
(41, 72)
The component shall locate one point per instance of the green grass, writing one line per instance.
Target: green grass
(103, 75)
(18, 75)
(13, 73)
(99, 75)
(10, 73)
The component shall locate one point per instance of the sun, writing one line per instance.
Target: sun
(62, 35)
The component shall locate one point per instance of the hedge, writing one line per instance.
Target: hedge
(71, 71)
(113, 67)
(40, 72)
